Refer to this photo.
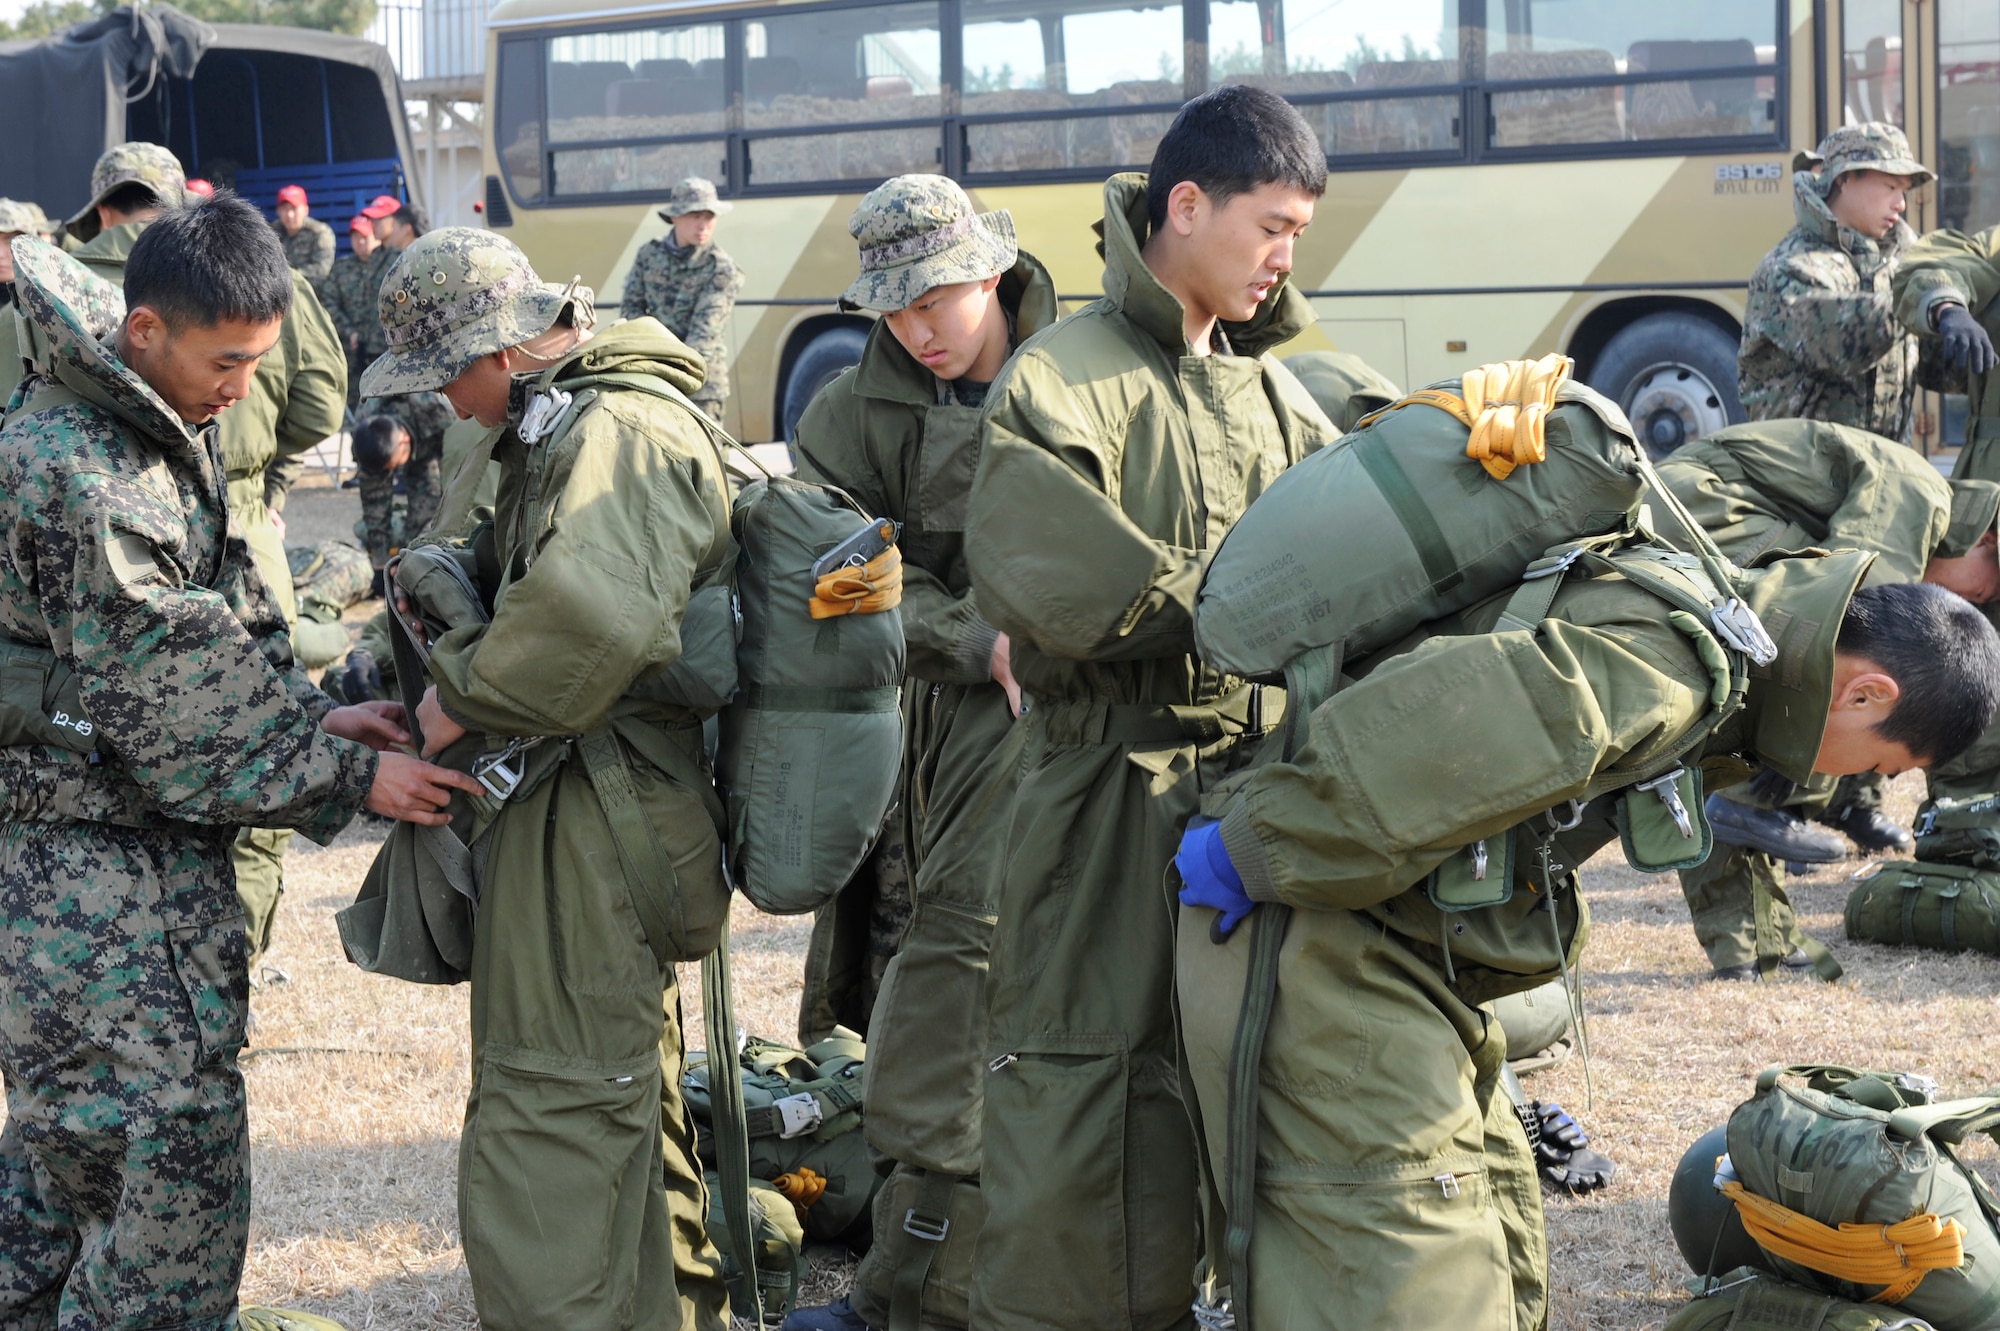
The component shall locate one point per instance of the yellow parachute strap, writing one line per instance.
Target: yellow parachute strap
(802, 1186)
(860, 589)
(1898, 1256)
(1505, 405)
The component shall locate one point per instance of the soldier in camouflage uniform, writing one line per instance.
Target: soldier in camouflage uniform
(178, 715)
(308, 242)
(684, 280)
(424, 417)
(328, 578)
(16, 219)
(1820, 337)
(350, 299)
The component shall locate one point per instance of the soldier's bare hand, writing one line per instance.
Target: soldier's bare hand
(379, 725)
(440, 731)
(1002, 668)
(1965, 342)
(414, 791)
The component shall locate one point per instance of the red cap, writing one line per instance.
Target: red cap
(201, 187)
(382, 206)
(292, 194)
(361, 224)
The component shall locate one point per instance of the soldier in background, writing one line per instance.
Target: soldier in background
(308, 242)
(686, 281)
(350, 298)
(16, 219)
(399, 437)
(124, 1166)
(397, 224)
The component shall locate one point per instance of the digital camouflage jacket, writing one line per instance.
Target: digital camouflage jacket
(692, 292)
(120, 558)
(309, 250)
(1820, 336)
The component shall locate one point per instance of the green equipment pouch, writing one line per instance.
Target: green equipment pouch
(1751, 1300)
(1480, 875)
(1661, 822)
(1951, 907)
(1960, 831)
(703, 677)
(41, 702)
(776, 1234)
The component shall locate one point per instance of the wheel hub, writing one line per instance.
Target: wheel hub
(1672, 405)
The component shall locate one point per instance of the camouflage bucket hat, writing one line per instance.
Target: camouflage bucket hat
(1870, 147)
(1975, 507)
(919, 232)
(20, 218)
(70, 311)
(455, 295)
(693, 195)
(145, 164)
(1801, 602)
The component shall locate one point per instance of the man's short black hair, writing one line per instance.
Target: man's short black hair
(1233, 140)
(1943, 655)
(131, 197)
(409, 212)
(213, 261)
(375, 442)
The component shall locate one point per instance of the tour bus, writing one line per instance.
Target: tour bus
(1509, 177)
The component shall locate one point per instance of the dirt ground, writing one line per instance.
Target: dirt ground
(357, 1083)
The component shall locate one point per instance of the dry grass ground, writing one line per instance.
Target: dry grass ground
(356, 1083)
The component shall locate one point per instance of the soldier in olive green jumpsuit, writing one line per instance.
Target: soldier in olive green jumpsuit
(1384, 1195)
(1788, 485)
(900, 435)
(1118, 448)
(580, 1199)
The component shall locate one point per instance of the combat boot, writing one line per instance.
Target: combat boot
(1794, 964)
(836, 1316)
(1779, 834)
(1870, 829)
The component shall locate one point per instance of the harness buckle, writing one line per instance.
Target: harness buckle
(799, 1114)
(925, 1227)
(1564, 825)
(1737, 624)
(1670, 795)
(1218, 1316)
(1478, 849)
(501, 772)
(1561, 565)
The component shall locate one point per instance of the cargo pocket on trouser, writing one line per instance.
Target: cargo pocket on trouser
(900, 1244)
(559, 1198)
(687, 838)
(1419, 1245)
(212, 963)
(927, 1042)
(1054, 1251)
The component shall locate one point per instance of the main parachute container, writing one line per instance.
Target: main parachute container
(1398, 524)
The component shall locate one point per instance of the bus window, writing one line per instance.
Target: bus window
(1025, 61)
(1969, 114)
(1628, 44)
(1871, 59)
(649, 102)
(517, 125)
(1306, 47)
(872, 71)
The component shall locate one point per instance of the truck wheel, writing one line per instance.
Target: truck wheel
(1674, 373)
(817, 366)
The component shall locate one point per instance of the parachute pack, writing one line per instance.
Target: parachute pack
(1950, 907)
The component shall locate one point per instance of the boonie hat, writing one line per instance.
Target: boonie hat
(293, 194)
(20, 218)
(145, 164)
(382, 205)
(919, 232)
(455, 295)
(693, 195)
(1975, 507)
(1871, 147)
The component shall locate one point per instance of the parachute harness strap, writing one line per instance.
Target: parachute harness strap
(1897, 1256)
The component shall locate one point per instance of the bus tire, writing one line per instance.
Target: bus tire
(1674, 374)
(817, 366)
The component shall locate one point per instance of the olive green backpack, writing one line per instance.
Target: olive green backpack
(1838, 1146)
(1747, 1300)
(802, 1110)
(1952, 907)
(1960, 831)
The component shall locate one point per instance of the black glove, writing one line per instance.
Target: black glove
(376, 585)
(363, 679)
(1563, 1156)
(1965, 342)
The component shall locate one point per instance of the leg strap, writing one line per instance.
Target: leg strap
(927, 1225)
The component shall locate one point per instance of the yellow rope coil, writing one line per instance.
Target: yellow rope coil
(1509, 403)
(865, 589)
(803, 1186)
(1898, 1256)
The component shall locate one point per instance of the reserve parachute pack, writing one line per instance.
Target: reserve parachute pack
(1949, 907)
(812, 744)
(1851, 1184)
(1514, 477)
(802, 1110)
(1960, 831)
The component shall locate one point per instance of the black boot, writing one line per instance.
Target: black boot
(1871, 830)
(1798, 961)
(836, 1316)
(1781, 835)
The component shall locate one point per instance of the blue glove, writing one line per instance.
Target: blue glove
(1209, 879)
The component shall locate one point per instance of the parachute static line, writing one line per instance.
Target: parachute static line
(1897, 1256)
